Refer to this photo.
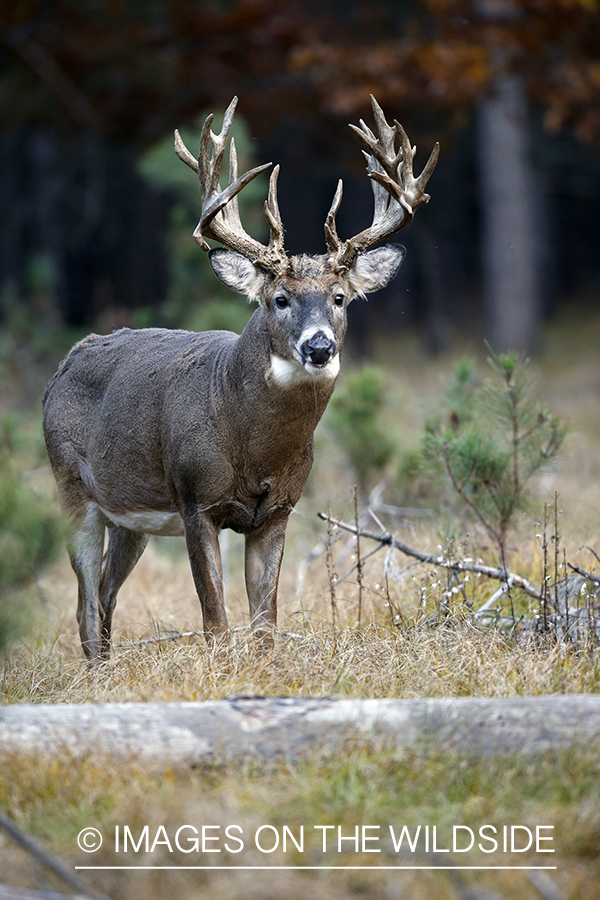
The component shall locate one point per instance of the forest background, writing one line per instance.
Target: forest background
(89, 91)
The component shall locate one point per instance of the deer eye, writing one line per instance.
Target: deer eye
(339, 299)
(282, 302)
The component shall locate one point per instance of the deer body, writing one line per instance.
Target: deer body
(170, 432)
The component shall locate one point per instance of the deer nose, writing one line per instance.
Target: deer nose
(318, 349)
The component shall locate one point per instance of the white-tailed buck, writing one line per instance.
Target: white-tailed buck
(165, 432)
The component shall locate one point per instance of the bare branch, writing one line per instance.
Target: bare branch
(587, 575)
(512, 579)
(592, 551)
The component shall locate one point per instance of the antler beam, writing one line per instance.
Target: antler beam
(396, 191)
(220, 217)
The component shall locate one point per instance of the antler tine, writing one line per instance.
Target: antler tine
(383, 146)
(407, 167)
(386, 132)
(273, 215)
(220, 218)
(381, 196)
(429, 167)
(331, 235)
(396, 191)
(231, 210)
(184, 154)
(219, 142)
(387, 139)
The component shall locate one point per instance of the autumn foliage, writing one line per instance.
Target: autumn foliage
(129, 70)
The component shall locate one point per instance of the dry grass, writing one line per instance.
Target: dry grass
(413, 640)
(452, 659)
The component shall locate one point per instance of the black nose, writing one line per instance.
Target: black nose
(318, 349)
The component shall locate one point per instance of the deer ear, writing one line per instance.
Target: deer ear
(373, 269)
(237, 272)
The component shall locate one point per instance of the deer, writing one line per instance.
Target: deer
(168, 432)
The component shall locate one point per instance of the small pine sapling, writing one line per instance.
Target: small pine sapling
(490, 439)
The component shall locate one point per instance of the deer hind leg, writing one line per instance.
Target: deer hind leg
(86, 559)
(124, 550)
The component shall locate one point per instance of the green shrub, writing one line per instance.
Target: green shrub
(355, 416)
(31, 530)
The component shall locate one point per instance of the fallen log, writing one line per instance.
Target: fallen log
(271, 728)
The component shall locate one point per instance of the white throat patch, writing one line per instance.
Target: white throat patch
(286, 372)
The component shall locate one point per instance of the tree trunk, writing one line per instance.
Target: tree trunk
(510, 212)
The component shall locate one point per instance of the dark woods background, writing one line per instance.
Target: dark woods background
(93, 215)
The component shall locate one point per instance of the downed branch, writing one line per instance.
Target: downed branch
(375, 505)
(385, 538)
(52, 862)
(162, 638)
(569, 623)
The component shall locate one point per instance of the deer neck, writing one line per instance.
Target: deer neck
(273, 393)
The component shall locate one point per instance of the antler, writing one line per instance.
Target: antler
(220, 218)
(396, 191)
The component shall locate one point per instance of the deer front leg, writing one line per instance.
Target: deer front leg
(264, 551)
(201, 536)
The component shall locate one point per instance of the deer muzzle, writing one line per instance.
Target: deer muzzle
(317, 350)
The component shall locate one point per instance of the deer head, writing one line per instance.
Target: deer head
(292, 289)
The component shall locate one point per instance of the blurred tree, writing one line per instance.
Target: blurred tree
(85, 87)
(510, 205)
(497, 56)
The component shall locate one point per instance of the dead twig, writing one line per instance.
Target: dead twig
(331, 572)
(162, 638)
(178, 635)
(359, 562)
(595, 579)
